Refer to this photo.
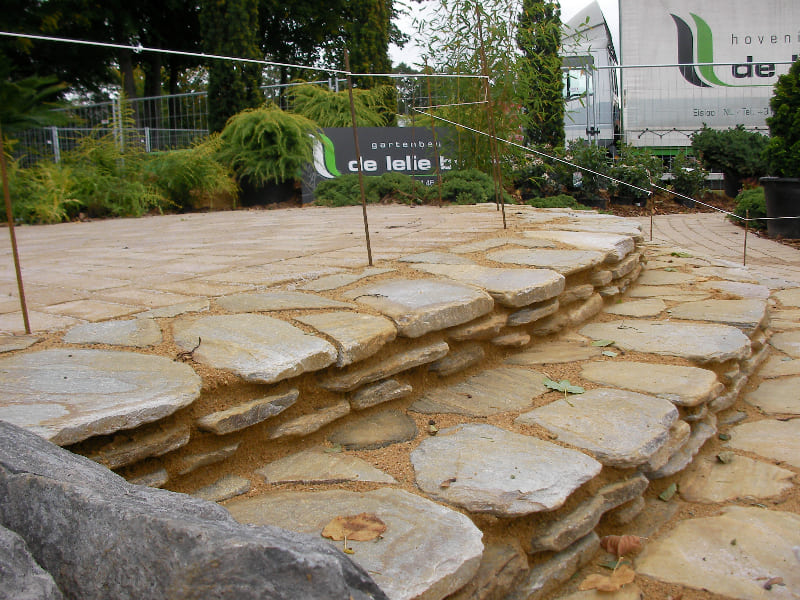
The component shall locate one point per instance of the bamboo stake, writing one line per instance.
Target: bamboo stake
(358, 153)
(436, 155)
(12, 235)
(746, 227)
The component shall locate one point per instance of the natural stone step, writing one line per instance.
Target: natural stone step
(192, 462)
(558, 534)
(156, 479)
(615, 246)
(622, 429)
(68, 395)
(554, 353)
(503, 568)
(223, 489)
(398, 362)
(575, 293)
(119, 453)
(337, 280)
(533, 313)
(699, 553)
(509, 287)
(255, 347)
(565, 262)
(486, 469)
(678, 437)
(408, 560)
(378, 393)
(321, 466)
(308, 424)
(137, 333)
(777, 440)
(247, 414)
(356, 336)
(578, 313)
(777, 396)
(651, 307)
(787, 342)
(711, 481)
(481, 329)
(366, 432)
(419, 306)
(601, 278)
(515, 339)
(458, 360)
(683, 386)
(747, 315)
(699, 342)
(624, 267)
(490, 392)
(702, 431)
(659, 277)
(667, 292)
(271, 301)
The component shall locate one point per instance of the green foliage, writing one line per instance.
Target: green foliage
(539, 70)
(782, 153)
(367, 37)
(191, 177)
(635, 167)
(267, 145)
(469, 186)
(559, 201)
(735, 152)
(44, 193)
(27, 103)
(332, 109)
(751, 201)
(229, 28)
(530, 179)
(593, 157)
(389, 187)
(688, 175)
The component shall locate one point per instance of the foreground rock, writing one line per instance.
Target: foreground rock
(427, 551)
(483, 468)
(701, 553)
(21, 577)
(67, 396)
(102, 537)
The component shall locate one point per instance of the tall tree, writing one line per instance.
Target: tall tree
(540, 81)
(229, 28)
(367, 37)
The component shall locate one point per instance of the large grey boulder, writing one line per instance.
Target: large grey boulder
(102, 537)
(21, 578)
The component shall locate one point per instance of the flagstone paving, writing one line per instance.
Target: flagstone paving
(415, 390)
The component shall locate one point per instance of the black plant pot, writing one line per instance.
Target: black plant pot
(270, 193)
(731, 185)
(782, 196)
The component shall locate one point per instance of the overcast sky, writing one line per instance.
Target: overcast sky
(411, 53)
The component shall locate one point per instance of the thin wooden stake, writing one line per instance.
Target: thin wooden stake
(652, 202)
(12, 235)
(498, 174)
(436, 154)
(358, 153)
(746, 227)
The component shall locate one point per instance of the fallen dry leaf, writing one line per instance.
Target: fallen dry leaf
(358, 528)
(621, 545)
(773, 581)
(609, 583)
(447, 482)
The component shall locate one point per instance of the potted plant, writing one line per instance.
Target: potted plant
(736, 152)
(782, 154)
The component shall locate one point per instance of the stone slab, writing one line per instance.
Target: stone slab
(67, 395)
(479, 246)
(397, 362)
(666, 292)
(378, 393)
(514, 339)
(223, 489)
(255, 347)
(9, 343)
(247, 414)
(138, 333)
(533, 313)
(779, 440)
(621, 428)
(737, 288)
(728, 273)
(491, 470)
(165, 312)
(699, 342)
(408, 561)
(311, 422)
(747, 315)
(419, 306)
(616, 247)
(378, 430)
(156, 479)
(659, 277)
(480, 329)
(782, 320)
(22, 577)
(272, 301)
(702, 431)
(575, 293)
(436, 258)
(565, 262)
(583, 311)
(601, 278)
(127, 450)
(778, 366)
(625, 267)
(509, 287)
(679, 435)
(699, 553)
(711, 481)
(790, 297)
(316, 466)
(337, 280)
(356, 336)
(101, 537)
(777, 396)
(683, 386)
(488, 393)
(503, 568)
(462, 358)
(787, 342)
(192, 462)
(630, 591)
(650, 307)
(560, 533)
(554, 353)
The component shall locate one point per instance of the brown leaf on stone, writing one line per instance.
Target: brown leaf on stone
(357, 528)
(773, 581)
(447, 482)
(621, 545)
(609, 583)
